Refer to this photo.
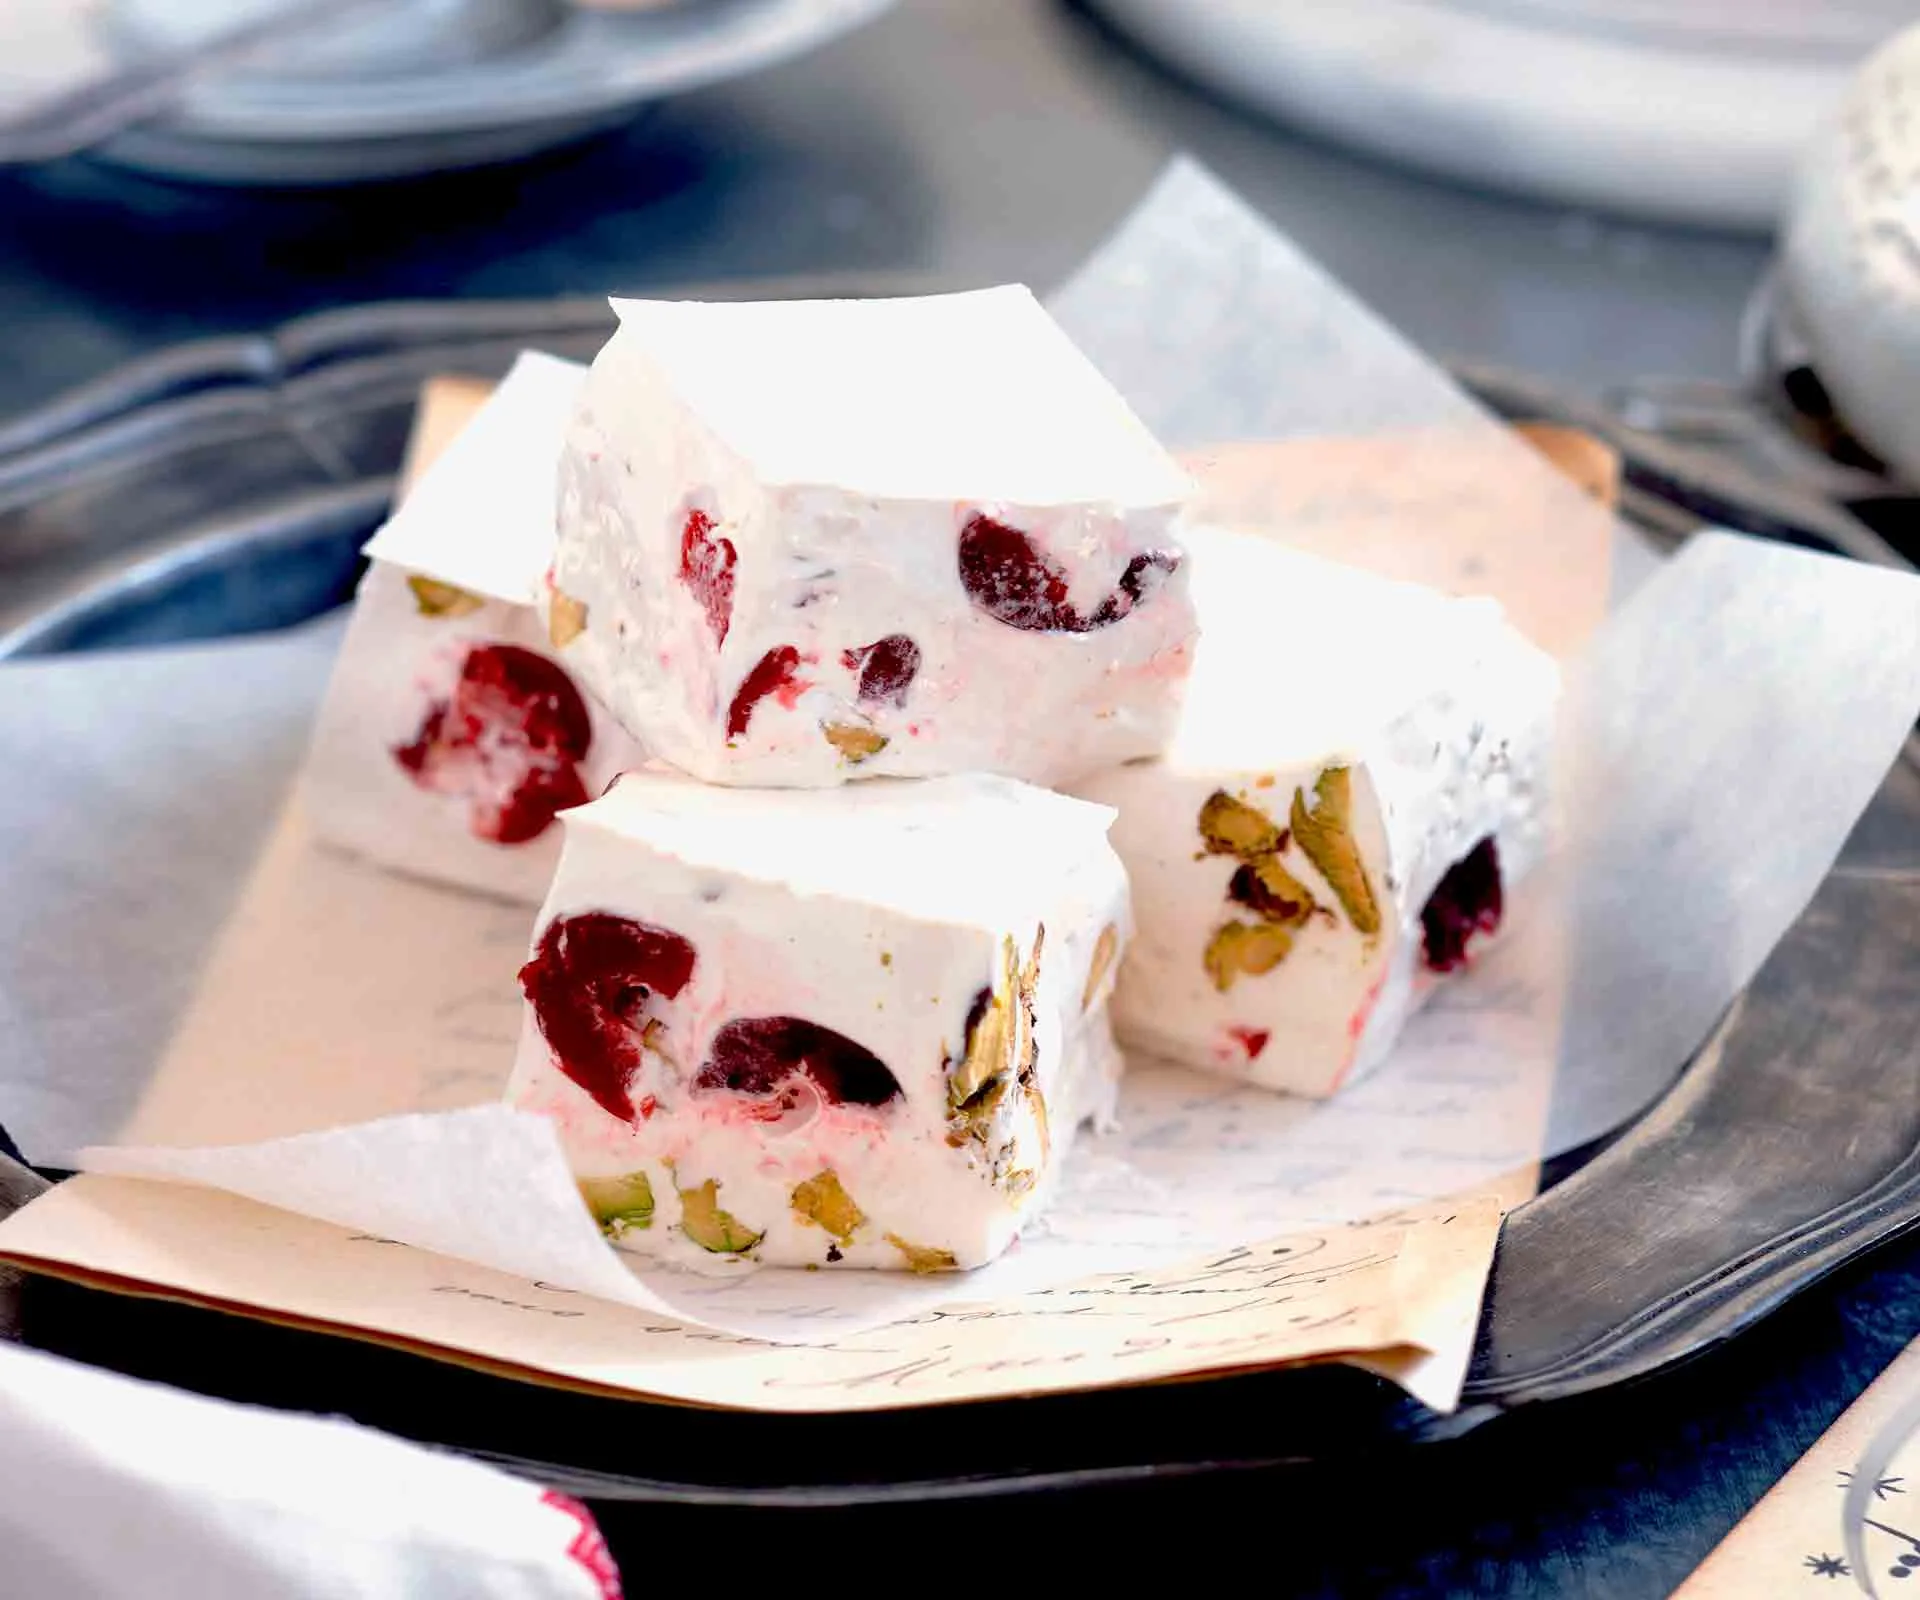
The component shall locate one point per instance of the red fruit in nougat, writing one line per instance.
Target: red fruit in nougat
(1467, 901)
(509, 738)
(592, 983)
(1007, 577)
(777, 670)
(1250, 1040)
(887, 668)
(706, 567)
(762, 1056)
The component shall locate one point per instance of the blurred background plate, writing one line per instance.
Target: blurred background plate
(1690, 111)
(387, 96)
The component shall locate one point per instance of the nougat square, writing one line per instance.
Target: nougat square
(803, 542)
(855, 1026)
(1358, 779)
(452, 735)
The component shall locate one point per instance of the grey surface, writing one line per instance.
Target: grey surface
(963, 140)
(18, 1185)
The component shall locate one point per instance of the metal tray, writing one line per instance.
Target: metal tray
(225, 488)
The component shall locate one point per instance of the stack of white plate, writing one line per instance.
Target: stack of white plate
(1686, 110)
(412, 86)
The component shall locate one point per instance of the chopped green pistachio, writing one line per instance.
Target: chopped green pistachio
(990, 1038)
(566, 619)
(433, 598)
(823, 1201)
(1230, 827)
(971, 1121)
(619, 1204)
(920, 1259)
(1000, 1044)
(854, 741)
(1325, 833)
(702, 1221)
(1245, 947)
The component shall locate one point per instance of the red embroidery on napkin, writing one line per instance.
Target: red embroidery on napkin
(589, 1547)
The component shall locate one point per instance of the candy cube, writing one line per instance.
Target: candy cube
(1357, 780)
(849, 1027)
(803, 542)
(451, 736)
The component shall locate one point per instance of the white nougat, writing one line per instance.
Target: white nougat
(451, 736)
(1357, 778)
(856, 1026)
(804, 542)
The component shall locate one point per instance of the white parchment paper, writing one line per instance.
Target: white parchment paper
(138, 790)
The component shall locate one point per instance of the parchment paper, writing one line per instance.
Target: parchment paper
(1723, 735)
(140, 789)
(393, 1012)
(1401, 1294)
(1305, 416)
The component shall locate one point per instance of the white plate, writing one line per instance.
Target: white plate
(588, 71)
(1685, 110)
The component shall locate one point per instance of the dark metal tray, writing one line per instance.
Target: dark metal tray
(225, 488)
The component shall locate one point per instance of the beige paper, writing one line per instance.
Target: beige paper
(1587, 463)
(1403, 1294)
(1440, 507)
(1806, 1538)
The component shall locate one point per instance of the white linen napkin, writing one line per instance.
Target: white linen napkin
(115, 1488)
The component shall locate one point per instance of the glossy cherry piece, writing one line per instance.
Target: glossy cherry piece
(508, 737)
(778, 669)
(591, 984)
(760, 1055)
(1468, 901)
(707, 561)
(1006, 576)
(887, 669)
